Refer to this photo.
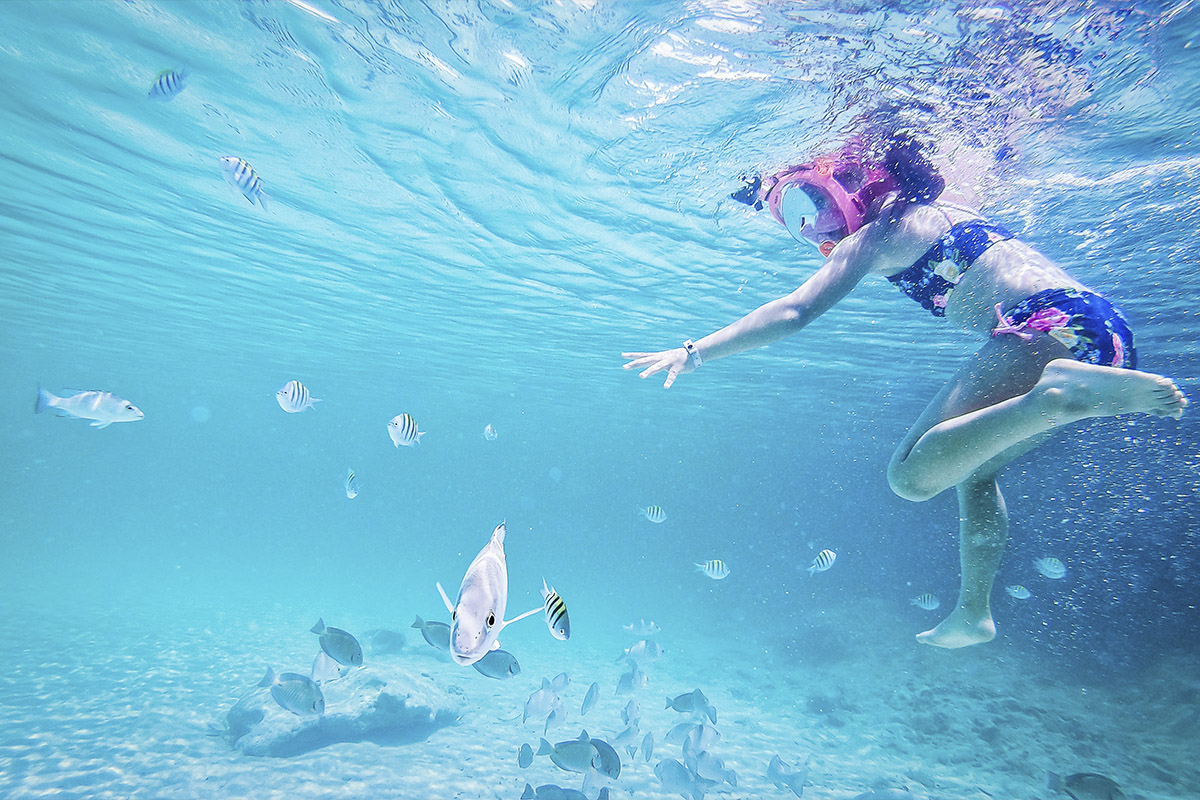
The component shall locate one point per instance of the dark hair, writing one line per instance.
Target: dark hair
(918, 178)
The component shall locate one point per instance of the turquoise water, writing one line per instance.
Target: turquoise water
(474, 207)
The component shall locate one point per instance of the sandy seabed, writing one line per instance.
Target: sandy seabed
(114, 710)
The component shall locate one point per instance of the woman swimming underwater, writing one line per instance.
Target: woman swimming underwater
(1056, 352)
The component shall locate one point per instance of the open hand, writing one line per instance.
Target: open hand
(675, 361)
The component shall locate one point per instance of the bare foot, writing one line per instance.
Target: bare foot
(1071, 390)
(960, 629)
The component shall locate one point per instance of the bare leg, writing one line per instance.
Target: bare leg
(996, 417)
(983, 532)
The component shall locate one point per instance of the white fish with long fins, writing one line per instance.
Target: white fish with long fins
(352, 486)
(102, 408)
(477, 617)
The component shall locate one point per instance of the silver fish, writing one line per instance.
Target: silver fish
(524, 756)
(654, 514)
(325, 668)
(1018, 592)
(642, 628)
(677, 779)
(822, 562)
(498, 664)
(351, 483)
(561, 681)
(784, 777)
(589, 699)
(437, 634)
(632, 712)
(167, 84)
(648, 746)
(298, 694)
(490, 434)
(633, 680)
(402, 429)
(478, 614)
(242, 177)
(102, 408)
(543, 701)
(293, 397)
(644, 649)
(714, 568)
(556, 613)
(341, 646)
(573, 755)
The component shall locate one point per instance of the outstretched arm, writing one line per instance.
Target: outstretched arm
(772, 321)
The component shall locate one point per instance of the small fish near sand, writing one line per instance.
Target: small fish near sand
(541, 703)
(241, 176)
(1050, 567)
(1018, 592)
(402, 429)
(927, 602)
(780, 773)
(102, 408)
(351, 484)
(654, 514)
(167, 84)
(589, 699)
(555, 610)
(325, 668)
(550, 791)
(822, 562)
(296, 693)
(294, 397)
(643, 650)
(490, 433)
(572, 755)
(1086, 786)
(498, 664)
(714, 568)
(436, 634)
(478, 613)
(632, 680)
(642, 628)
(341, 646)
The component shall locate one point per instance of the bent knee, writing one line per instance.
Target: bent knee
(908, 484)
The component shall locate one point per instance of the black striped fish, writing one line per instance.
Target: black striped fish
(403, 430)
(351, 484)
(294, 397)
(822, 562)
(242, 177)
(655, 514)
(714, 568)
(556, 613)
(167, 84)
(927, 601)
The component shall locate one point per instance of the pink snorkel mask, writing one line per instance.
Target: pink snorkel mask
(824, 202)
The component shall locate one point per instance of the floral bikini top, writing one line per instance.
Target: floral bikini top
(934, 275)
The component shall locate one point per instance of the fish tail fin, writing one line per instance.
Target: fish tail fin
(528, 794)
(262, 199)
(669, 702)
(1054, 782)
(268, 679)
(44, 400)
(418, 623)
(604, 792)
(812, 570)
(544, 748)
(319, 628)
(314, 400)
(419, 435)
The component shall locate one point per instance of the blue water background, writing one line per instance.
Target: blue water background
(474, 208)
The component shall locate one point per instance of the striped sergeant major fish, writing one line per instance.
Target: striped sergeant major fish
(102, 408)
(477, 616)
(714, 568)
(167, 84)
(294, 397)
(351, 483)
(822, 562)
(242, 177)
(655, 514)
(403, 430)
(556, 613)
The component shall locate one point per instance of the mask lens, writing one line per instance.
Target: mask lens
(799, 212)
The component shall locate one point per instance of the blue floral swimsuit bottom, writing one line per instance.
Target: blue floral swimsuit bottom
(1093, 329)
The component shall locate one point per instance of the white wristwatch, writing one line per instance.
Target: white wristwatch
(693, 353)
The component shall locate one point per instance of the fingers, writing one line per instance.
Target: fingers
(671, 375)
